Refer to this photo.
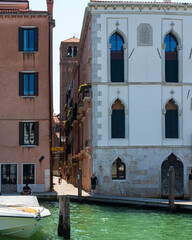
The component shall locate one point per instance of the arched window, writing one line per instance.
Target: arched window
(117, 58)
(118, 120)
(75, 51)
(171, 58)
(118, 169)
(69, 51)
(171, 120)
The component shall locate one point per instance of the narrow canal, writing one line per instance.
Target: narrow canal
(95, 222)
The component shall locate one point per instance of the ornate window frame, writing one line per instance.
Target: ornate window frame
(125, 56)
(126, 119)
(180, 120)
(180, 54)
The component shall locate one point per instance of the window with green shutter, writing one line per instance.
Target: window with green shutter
(118, 120)
(171, 120)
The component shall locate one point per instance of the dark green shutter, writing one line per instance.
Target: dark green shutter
(36, 84)
(21, 84)
(171, 70)
(118, 124)
(117, 70)
(117, 66)
(114, 124)
(21, 133)
(121, 123)
(20, 39)
(171, 124)
(36, 38)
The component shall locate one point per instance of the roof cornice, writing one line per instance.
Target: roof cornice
(131, 4)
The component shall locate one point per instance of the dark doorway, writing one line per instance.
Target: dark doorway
(178, 166)
(9, 178)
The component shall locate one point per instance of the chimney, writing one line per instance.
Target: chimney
(167, 1)
(50, 7)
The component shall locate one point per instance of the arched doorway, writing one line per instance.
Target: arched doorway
(178, 166)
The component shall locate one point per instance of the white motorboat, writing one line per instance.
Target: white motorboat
(21, 216)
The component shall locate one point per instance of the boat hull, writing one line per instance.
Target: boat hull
(20, 227)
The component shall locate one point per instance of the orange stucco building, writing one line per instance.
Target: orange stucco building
(25, 96)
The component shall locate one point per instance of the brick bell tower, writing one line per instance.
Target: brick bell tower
(50, 7)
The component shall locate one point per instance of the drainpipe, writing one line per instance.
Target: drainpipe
(50, 104)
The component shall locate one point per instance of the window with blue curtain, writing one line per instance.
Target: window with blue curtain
(117, 58)
(28, 84)
(171, 58)
(28, 39)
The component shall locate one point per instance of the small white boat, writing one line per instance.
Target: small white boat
(21, 216)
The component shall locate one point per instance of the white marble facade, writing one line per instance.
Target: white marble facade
(144, 94)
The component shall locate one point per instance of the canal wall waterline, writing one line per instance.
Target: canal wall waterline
(72, 192)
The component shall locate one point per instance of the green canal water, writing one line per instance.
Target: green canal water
(96, 222)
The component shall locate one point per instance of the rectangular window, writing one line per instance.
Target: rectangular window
(9, 173)
(28, 39)
(28, 173)
(28, 133)
(28, 84)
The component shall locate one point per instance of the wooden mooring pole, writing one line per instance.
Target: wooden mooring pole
(79, 185)
(64, 228)
(171, 189)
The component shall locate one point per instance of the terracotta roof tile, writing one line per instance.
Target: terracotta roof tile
(21, 11)
(73, 39)
(14, 1)
(13, 10)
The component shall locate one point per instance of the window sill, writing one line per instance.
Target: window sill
(119, 180)
(28, 146)
(28, 96)
(28, 52)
